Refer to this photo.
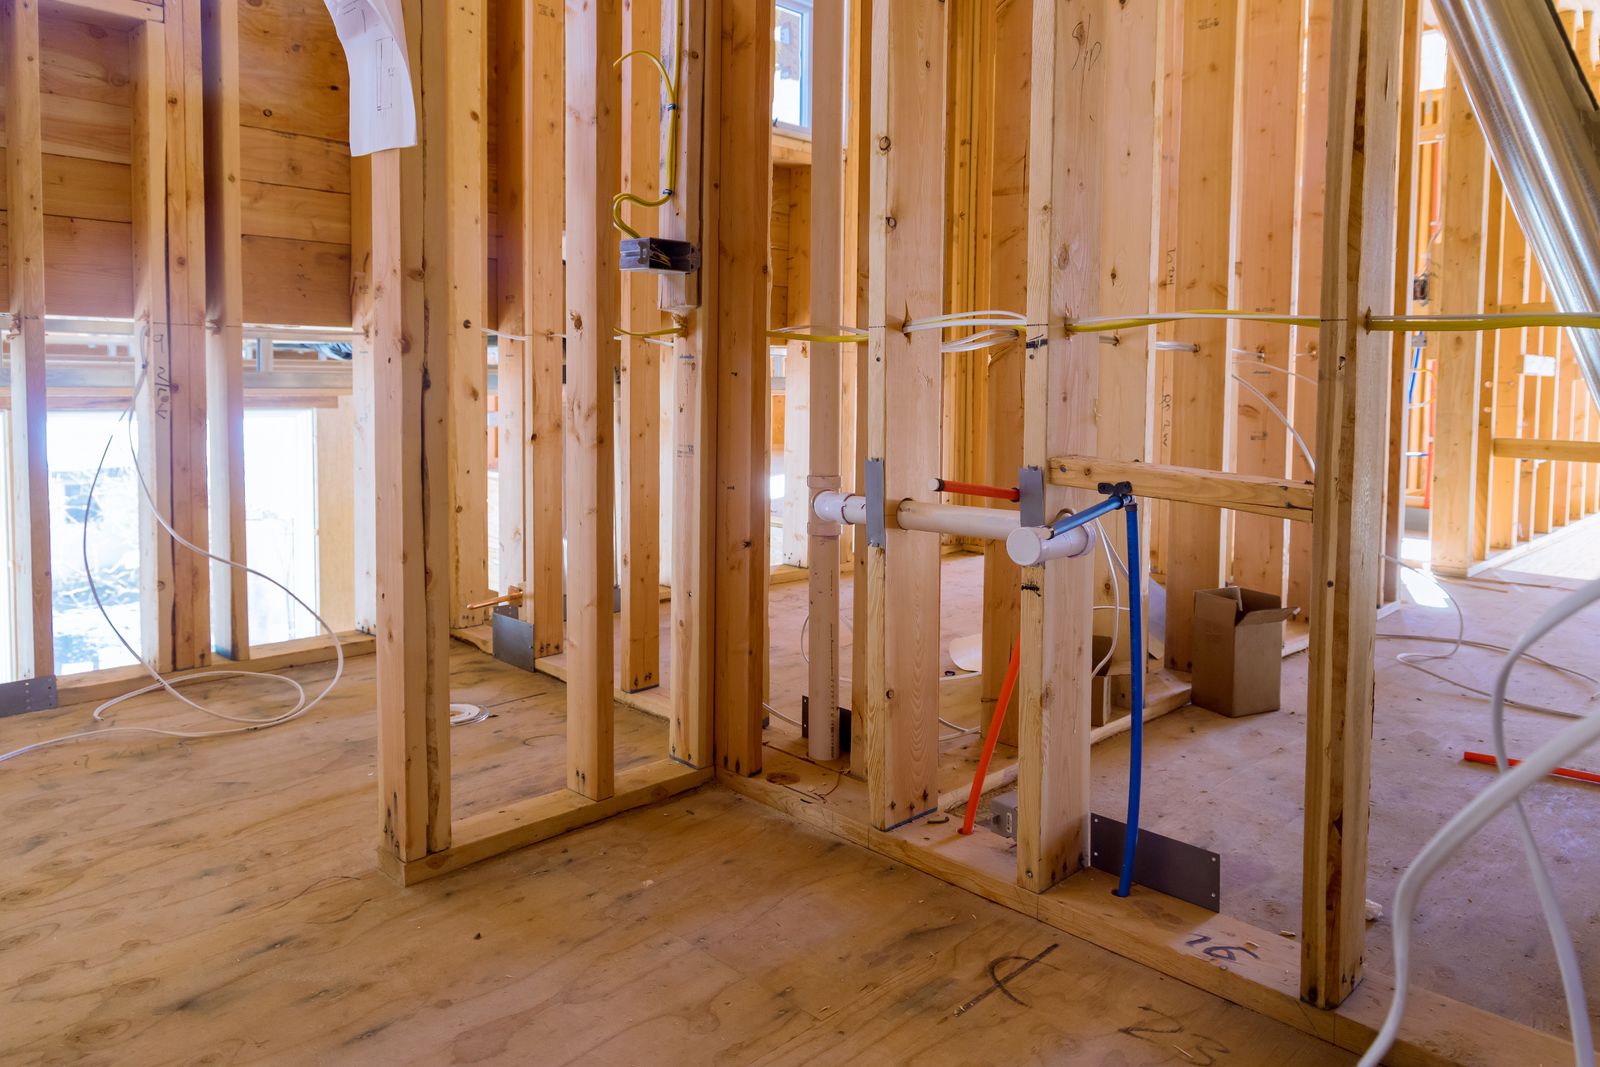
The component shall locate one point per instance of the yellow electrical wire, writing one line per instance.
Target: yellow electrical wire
(672, 141)
(676, 330)
(1472, 323)
(1373, 324)
(1134, 322)
(801, 333)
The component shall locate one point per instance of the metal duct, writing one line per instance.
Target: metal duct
(1542, 126)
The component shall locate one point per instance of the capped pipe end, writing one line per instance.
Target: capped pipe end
(1030, 546)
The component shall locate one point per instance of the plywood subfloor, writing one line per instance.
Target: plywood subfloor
(1236, 786)
(217, 902)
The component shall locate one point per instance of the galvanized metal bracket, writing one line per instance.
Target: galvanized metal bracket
(1164, 864)
(1030, 496)
(28, 694)
(876, 503)
(512, 638)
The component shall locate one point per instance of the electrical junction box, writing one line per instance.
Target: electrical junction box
(659, 255)
(1003, 814)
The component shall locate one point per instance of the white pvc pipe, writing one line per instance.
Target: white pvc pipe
(1029, 546)
(991, 524)
(847, 509)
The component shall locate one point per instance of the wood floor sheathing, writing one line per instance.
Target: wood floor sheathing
(217, 902)
(1235, 786)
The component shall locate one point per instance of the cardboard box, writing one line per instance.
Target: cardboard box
(1238, 650)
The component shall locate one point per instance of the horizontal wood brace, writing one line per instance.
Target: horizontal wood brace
(1272, 497)
(1566, 451)
(116, 12)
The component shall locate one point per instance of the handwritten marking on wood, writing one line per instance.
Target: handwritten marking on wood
(999, 982)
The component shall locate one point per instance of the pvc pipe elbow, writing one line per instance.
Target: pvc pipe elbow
(1030, 546)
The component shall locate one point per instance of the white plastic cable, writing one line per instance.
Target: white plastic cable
(1506, 791)
(1301, 441)
(247, 724)
(977, 342)
(1414, 660)
(1252, 358)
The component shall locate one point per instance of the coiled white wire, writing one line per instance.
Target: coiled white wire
(1505, 792)
(301, 706)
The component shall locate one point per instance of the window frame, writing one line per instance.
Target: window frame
(806, 10)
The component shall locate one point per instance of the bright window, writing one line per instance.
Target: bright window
(280, 497)
(107, 534)
(791, 73)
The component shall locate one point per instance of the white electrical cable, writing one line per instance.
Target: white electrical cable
(1506, 791)
(979, 341)
(1414, 660)
(247, 724)
(1301, 441)
(1254, 360)
(1116, 598)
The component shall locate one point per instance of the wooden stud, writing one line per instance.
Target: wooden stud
(1066, 169)
(544, 465)
(336, 519)
(1461, 266)
(153, 408)
(230, 594)
(457, 177)
(737, 293)
(823, 426)
(511, 107)
(185, 634)
(639, 456)
(363, 398)
(1201, 386)
(1128, 235)
(413, 524)
(1004, 218)
(794, 432)
(1304, 351)
(1352, 391)
(688, 39)
(1267, 99)
(903, 406)
(1488, 377)
(1394, 510)
(859, 157)
(594, 171)
(30, 469)
(1509, 383)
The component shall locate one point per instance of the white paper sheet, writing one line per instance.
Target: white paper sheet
(383, 113)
